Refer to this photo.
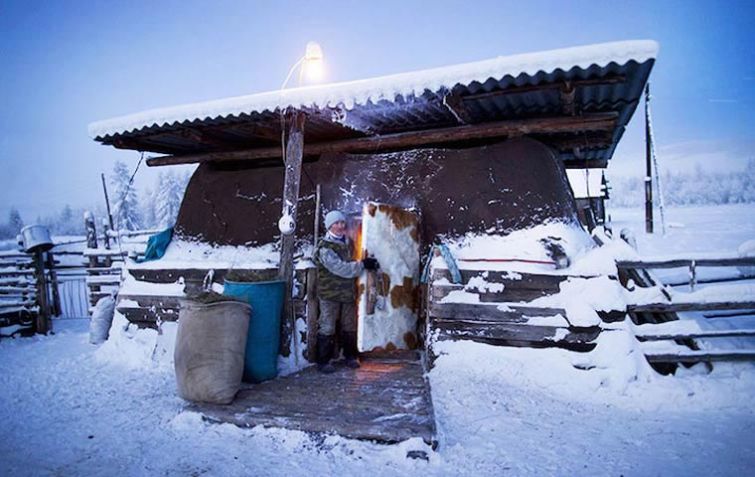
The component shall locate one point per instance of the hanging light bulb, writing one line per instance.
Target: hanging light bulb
(313, 66)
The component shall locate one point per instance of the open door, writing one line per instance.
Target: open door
(388, 299)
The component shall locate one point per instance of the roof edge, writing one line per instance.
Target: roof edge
(353, 93)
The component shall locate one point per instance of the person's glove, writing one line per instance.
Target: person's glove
(370, 263)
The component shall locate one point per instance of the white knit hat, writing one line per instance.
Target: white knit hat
(332, 217)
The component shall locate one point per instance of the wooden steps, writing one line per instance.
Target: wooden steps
(496, 320)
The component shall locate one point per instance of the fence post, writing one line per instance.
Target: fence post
(43, 324)
(91, 236)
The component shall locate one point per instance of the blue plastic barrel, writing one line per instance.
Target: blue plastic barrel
(263, 339)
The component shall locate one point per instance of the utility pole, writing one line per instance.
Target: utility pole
(648, 165)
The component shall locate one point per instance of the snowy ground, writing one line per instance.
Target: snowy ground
(71, 408)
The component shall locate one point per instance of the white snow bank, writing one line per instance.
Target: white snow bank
(716, 293)
(349, 94)
(198, 254)
(136, 348)
(521, 245)
(615, 373)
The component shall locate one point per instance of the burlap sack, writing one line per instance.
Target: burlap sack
(209, 354)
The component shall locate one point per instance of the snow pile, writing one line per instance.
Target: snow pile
(350, 94)
(581, 298)
(295, 361)
(182, 253)
(102, 318)
(135, 348)
(615, 373)
(525, 244)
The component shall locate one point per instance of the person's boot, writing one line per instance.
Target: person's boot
(325, 345)
(349, 342)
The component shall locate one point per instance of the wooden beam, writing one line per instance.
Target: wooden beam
(677, 307)
(701, 356)
(407, 140)
(695, 334)
(686, 262)
(291, 182)
(477, 312)
(591, 164)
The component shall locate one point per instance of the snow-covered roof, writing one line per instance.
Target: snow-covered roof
(386, 88)
(579, 83)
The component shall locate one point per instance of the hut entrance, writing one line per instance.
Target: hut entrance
(387, 299)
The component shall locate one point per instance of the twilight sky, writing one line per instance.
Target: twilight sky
(66, 64)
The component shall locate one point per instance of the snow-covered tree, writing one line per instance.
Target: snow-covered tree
(14, 221)
(149, 219)
(168, 196)
(126, 214)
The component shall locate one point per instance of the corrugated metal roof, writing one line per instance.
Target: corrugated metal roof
(608, 78)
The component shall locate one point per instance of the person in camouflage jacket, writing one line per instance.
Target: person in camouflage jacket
(336, 290)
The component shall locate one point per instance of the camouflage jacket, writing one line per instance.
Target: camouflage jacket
(336, 270)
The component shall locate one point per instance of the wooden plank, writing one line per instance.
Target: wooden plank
(147, 301)
(16, 289)
(701, 356)
(686, 262)
(312, 315)
(729, 314)
(526, 280)
(514, 332)
(508, 294)
(171, 275)
(678, 307)
(695, 334)
(386, 402)
(407, 140)
(149, 315)
(167, 309)
(16, 273)
(113, 253)
(17, 303)
(476, 312)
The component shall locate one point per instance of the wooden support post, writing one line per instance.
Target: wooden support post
(106, 238)
(107, 201)
(312, 312)
(106, 233)
(43, 323)
(294, 155)
(692, 275)
(648, 166)
(56, 309)
(91, 230)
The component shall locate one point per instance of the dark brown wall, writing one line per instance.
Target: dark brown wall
(496, 188)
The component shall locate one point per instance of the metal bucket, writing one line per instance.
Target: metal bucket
(36, 238)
